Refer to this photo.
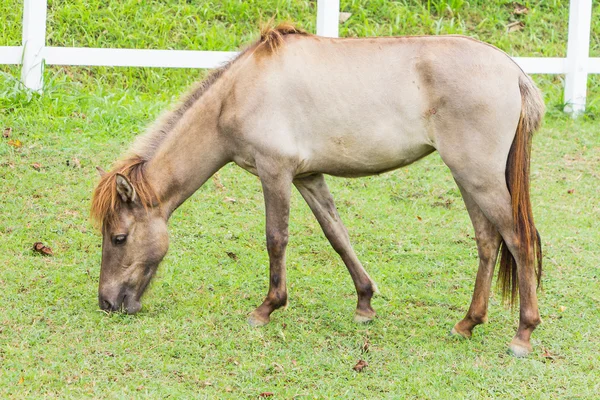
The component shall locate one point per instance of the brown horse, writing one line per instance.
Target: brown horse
(293, 107)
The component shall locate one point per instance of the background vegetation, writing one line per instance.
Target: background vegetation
(409, 227)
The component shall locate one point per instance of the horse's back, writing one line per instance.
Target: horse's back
(362, 106)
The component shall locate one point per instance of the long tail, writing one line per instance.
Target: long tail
(517, 180)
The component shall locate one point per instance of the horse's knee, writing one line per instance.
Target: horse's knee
(277, 242)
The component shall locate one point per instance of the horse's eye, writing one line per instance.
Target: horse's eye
(119, 240)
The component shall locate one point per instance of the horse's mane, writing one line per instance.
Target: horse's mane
(105, 200)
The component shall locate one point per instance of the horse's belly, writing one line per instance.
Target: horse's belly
(351, 156)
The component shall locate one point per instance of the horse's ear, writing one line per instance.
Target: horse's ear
(125, 189)
(101, 172)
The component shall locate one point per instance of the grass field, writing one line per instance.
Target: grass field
(409, 228)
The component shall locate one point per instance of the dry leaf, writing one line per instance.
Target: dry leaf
(515, 26)
(365, 346)
(21, 380)
(266, 394)
(360, 365)
(75, 163)
(548, 355)
(229, 200)
(16, 143)
(520, 9)
(7, 132)
(36, 166)
(570, 191)
(217, 181)
(562, 308)
(77, 114)
(232, 255)
(419, 218)
(344, 17)
(40, 248)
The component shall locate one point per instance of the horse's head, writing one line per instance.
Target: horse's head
(134, 242)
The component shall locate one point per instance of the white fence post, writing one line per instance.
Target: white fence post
(578, 50)
(328, 18)
(34, 40)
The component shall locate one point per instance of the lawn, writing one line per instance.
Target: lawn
(409, 227)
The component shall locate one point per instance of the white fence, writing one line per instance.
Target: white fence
(34, 53)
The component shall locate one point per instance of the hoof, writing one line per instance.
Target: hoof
(456, 331)
(255, 321)
(519, 348)
(363, 318)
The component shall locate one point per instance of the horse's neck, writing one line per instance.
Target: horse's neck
(188, 157)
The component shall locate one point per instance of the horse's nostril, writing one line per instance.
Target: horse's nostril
(105, 305)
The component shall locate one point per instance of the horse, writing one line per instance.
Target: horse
(293, 107)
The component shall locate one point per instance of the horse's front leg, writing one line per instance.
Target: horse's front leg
(316, 193)
(276, 189)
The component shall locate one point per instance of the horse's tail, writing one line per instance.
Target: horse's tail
(517, 180)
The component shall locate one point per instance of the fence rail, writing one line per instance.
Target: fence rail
(34, 53)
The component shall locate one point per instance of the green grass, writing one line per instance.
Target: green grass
(191, 339)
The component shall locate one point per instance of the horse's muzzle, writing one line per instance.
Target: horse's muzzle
(122, 301)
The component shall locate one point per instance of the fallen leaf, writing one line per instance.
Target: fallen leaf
(228, 389)
(419, 218)
(217, 181)
(365, 346)
(515, 26)
(7, 132)
(520, 9)
(360, 365)
(266, 394)
(232, 255)
(562, 308)
(344, 17)
(40, 248)
(74, 162)
(571, 191)
(36, 166)
(77, 114)
(21, 380)
(16, 143)
(548, 355)
(229, 200)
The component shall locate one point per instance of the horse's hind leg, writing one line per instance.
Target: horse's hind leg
(488, 243)
(316, 193)
(488, 189)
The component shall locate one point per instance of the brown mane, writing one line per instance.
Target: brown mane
(105, 200)
(273, 38)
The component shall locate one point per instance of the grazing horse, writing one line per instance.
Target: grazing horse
(293, 107)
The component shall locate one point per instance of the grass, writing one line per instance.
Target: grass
(191, 339)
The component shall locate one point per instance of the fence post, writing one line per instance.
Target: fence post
(578, 51)
(328, 18)
(34, 40)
